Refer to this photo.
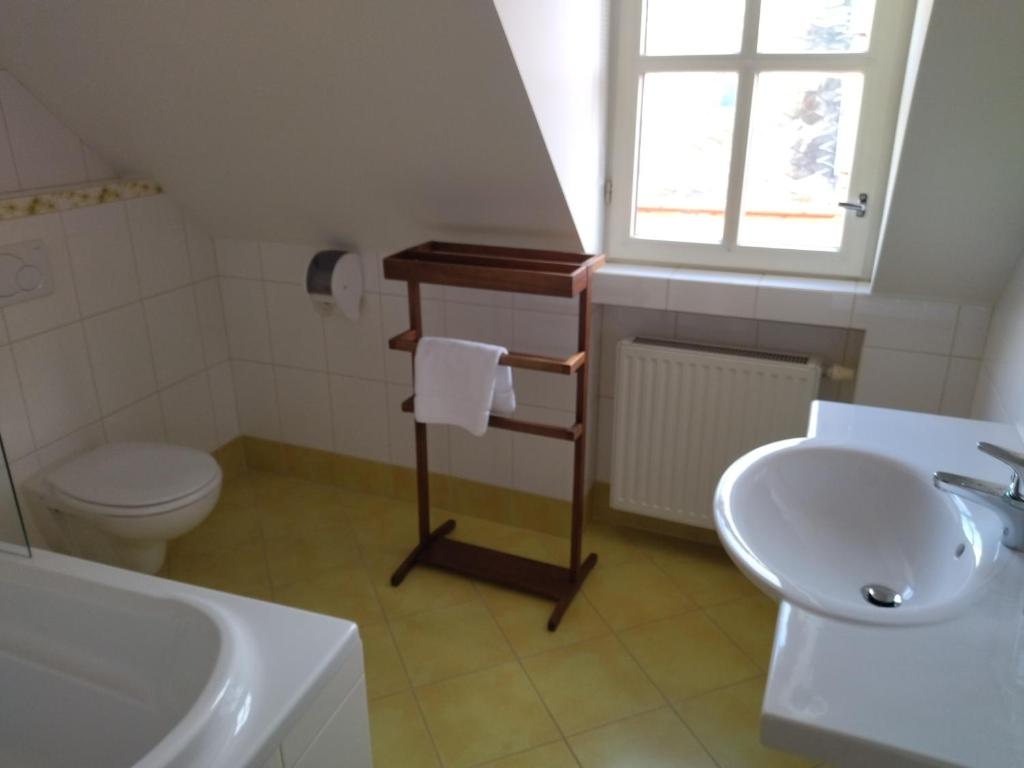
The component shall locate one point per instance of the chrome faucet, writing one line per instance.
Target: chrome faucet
(1006, 500)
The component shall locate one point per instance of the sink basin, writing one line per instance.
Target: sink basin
(852, 534)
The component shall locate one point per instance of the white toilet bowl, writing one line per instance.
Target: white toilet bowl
(121, 503)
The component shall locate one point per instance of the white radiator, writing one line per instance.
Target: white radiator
(684, 412)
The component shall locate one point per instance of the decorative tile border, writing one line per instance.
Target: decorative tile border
(79, 197)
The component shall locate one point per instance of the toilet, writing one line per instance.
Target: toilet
(121, 503)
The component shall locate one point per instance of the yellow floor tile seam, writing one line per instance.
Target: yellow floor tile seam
(276, 587)
(533, 687)
(405, 668)
(666, 703)
(263, 547)
(510, 755)
(524, 656)
(363, 554)
(266, 565)
(697, 610)
(703, 609)
(671, 705)
(561, 740)
(419, 704)
(426, 722)
(736, 642)
(692, 598)
(414, 689)
(675, 708)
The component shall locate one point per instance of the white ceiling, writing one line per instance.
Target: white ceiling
(369, 123)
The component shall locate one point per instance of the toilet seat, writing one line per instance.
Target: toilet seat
(134, 479)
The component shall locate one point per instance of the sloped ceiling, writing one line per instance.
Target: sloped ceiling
(955, 224)
(374, 123)
(561, 50)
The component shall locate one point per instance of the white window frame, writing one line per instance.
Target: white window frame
(883, 66)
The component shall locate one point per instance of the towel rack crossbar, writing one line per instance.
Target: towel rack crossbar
(407, 340)
(494, 268)
(571, 433)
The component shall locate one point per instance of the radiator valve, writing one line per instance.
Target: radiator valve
(840, 373)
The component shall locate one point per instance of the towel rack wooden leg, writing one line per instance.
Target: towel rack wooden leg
(417, 553)
(570, 592)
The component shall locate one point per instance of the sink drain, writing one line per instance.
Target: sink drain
(882, 596)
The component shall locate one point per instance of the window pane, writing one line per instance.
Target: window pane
(693, 27)
(686, 123)
(815, 26)
(802, 133)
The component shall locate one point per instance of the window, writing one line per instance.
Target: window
(740, 125)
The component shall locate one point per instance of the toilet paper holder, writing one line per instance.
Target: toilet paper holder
(334, 280)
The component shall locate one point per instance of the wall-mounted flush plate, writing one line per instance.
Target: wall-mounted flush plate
(24, 272)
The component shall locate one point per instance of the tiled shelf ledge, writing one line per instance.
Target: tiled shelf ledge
(906, 324)
(917, 353)
(730, 294)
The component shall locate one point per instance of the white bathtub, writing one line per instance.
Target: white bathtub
(103, 667)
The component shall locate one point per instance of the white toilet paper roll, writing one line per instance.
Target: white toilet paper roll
(347, 285)
(334, 280)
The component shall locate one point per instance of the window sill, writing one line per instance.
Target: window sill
(814, 301)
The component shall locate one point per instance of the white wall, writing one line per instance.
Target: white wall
(332, 384)
(1000, 393)
(131, 345)
(36, 149)
(561, 51)
(377, 124)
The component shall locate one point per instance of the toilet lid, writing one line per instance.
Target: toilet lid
(135, 474)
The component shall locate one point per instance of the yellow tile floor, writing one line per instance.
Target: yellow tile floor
(660, 661)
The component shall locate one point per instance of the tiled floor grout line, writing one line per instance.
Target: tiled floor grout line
(529, 680)
(670, 704)
(263, 549)
(667, 705)
(697, 608)
(668, 701)
(525, 751)
(742, 650)
(398, 652)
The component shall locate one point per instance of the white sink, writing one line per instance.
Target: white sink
(814, 524)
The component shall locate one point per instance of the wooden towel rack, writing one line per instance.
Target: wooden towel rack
(548, 273)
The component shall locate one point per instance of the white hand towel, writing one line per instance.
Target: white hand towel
(504, 400)
(460, 382)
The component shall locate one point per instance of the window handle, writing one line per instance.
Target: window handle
(861, 208)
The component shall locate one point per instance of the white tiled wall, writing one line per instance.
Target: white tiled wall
(36, 149)
(331, 383)
(1000, 391)
(919, 355)
(106, 357)
(131, 343)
